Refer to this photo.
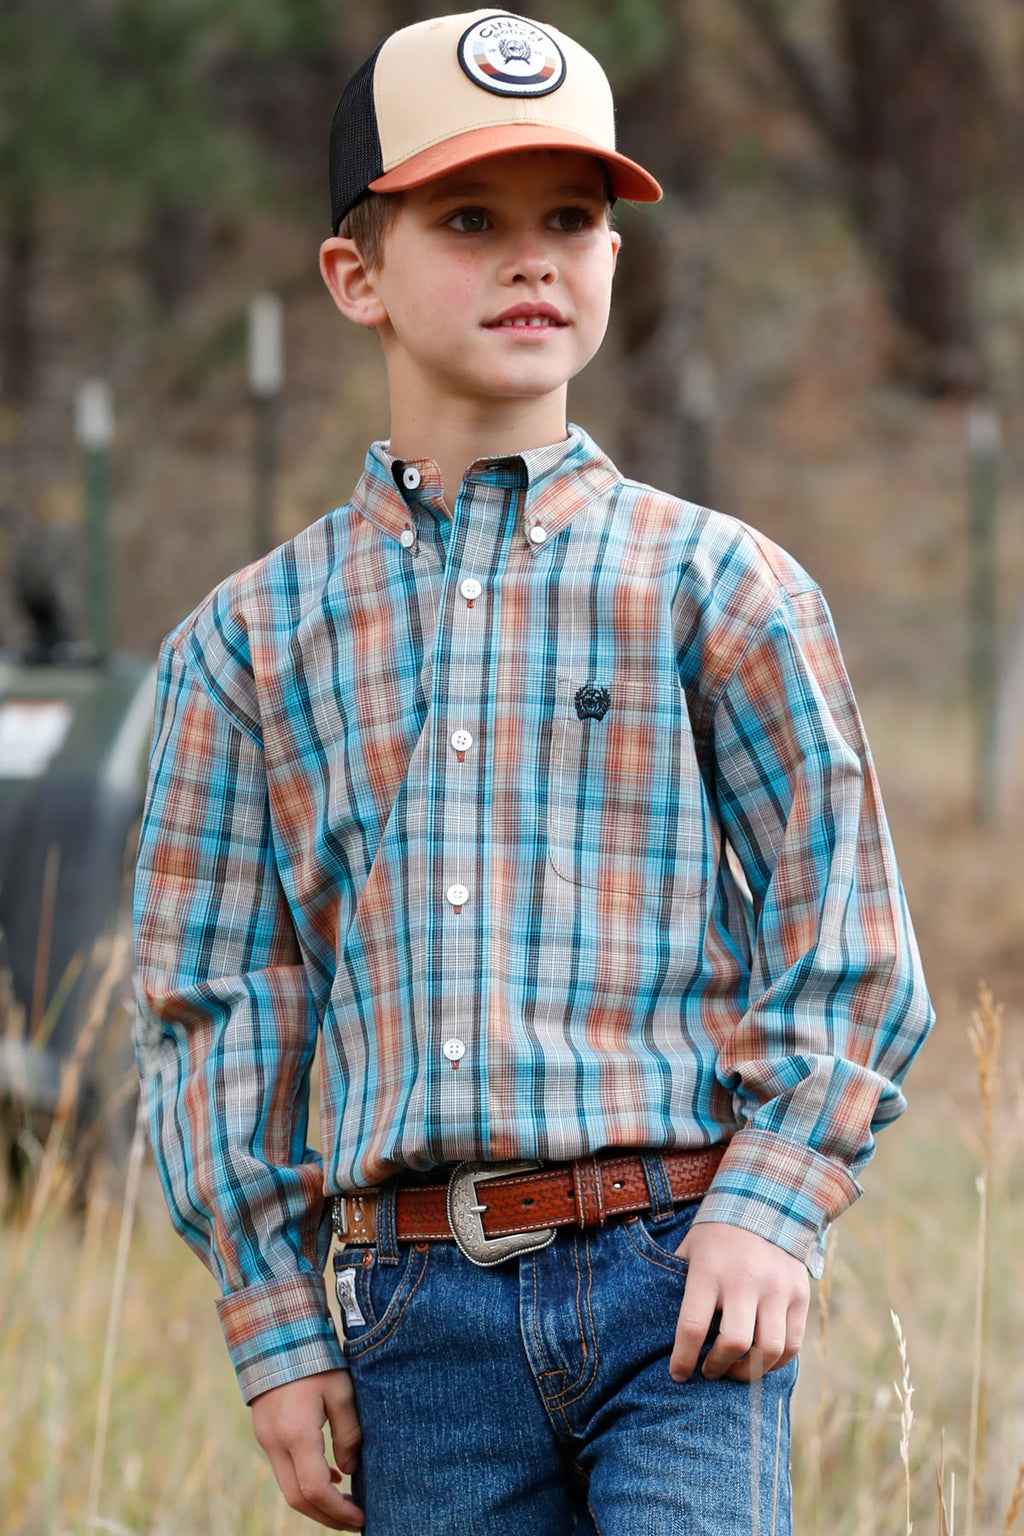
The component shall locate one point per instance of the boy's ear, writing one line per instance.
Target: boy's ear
(350, 282)
(616, 247)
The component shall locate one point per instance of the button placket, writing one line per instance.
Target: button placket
(479, 521)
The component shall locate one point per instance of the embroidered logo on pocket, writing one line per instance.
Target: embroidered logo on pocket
(592, 702)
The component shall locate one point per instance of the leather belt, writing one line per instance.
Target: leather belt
(500, 1210)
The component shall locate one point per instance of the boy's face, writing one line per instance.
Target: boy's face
(496, 278)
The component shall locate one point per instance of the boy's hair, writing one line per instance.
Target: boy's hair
(368, 224)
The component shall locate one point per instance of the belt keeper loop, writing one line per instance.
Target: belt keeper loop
(588, 1187)
(387, 1227)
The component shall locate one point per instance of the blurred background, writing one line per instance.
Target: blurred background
(820, 331)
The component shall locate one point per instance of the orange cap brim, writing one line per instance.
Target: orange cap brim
(628, 179)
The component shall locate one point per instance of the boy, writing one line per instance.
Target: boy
(543, 798)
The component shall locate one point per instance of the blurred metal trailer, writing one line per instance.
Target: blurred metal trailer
(74, 741)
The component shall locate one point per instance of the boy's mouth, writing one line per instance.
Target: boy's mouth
(527, 317)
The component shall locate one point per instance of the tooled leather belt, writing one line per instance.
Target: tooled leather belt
(496, 1211)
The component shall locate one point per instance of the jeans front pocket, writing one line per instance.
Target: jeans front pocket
(373, 1296)
(657, 1240)
(625, 801)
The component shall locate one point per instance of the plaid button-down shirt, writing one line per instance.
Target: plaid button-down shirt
(571, 779)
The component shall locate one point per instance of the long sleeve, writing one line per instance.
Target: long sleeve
(837, 1005)
(225, 1034)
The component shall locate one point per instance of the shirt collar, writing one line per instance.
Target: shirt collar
(559, 479)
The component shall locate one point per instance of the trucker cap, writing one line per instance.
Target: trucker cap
(444, 92)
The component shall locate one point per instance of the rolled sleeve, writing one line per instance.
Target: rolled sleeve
(278, 1332)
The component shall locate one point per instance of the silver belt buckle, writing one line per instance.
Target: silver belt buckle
(465, 1211)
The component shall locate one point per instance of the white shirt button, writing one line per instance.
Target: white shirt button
(470, 587)
(407, 538)
(461, 741)
(538, 534)
(457, 895)
(411, 477)
(454, 1049)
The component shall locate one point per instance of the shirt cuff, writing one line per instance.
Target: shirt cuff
(780, 1190)
(280, 1331)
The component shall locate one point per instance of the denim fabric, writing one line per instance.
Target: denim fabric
(533, 1398)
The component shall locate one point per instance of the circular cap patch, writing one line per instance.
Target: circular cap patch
(511, 57)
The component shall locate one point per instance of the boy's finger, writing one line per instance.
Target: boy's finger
(698, 1308)
(346, 1433)
(318, 1498)
(735, 1335)
(284, 1471)
(771, 1333)
(796, 1325)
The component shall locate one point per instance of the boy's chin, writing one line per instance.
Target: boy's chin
(523, 383)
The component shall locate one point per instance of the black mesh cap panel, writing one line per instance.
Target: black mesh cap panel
(355, 152)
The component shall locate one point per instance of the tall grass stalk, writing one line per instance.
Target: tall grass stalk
(53, 1167)
(904, 1393)
(778, 1452)
(756, 1402)
(823, 1299)
(984, 1033)
(48, 901)
(1013, 1509)
(114, 1318)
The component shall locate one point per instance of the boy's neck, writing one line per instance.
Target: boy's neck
(454, 433)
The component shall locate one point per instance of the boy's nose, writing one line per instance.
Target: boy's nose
(529, 264)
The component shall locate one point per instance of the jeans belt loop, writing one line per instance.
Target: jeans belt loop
(658, 1186)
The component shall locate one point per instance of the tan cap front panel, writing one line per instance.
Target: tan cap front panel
(423, 96)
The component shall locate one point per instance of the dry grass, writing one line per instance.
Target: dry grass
(120, 1410)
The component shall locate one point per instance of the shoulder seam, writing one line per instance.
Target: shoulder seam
(206, 683)
(782, 595)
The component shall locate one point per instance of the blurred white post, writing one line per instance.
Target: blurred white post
(94, 432)
(266, 378)
(984, 439)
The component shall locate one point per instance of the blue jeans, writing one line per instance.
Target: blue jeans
(533, 1398)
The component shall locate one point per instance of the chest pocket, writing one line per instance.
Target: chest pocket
(625, 801)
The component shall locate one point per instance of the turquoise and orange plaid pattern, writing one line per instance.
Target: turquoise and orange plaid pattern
(572, 776)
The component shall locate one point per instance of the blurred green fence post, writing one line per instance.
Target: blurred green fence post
(266, 376)
(984, 436)
(94, 431)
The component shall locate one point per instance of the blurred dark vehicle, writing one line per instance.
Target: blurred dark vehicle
(74, 734)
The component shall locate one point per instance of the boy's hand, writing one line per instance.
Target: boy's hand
(288, 1423)
(762, 1293)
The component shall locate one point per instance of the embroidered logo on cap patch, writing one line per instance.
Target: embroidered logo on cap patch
(511, 57)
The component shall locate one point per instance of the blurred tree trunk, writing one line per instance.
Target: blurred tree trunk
(662, 283)
(17, 361)
(914, 103)
(174, 251)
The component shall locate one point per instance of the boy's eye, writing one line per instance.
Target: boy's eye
(469, 221)
(571, 220)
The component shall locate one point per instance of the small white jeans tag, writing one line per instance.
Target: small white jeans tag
(345, 1285)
